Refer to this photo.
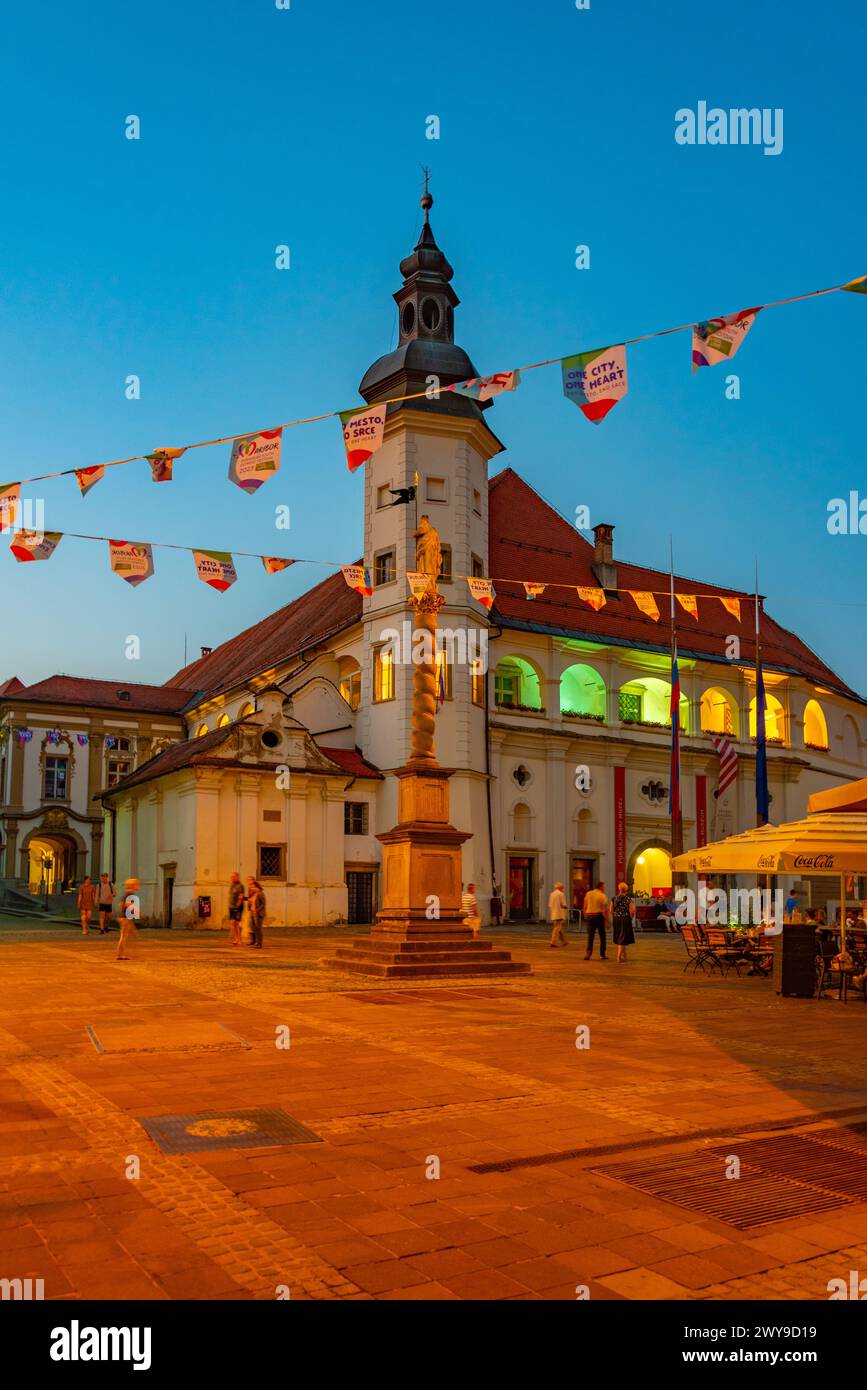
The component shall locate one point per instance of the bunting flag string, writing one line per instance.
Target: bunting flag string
(594, 379)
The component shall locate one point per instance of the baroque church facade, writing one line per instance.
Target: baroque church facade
(281, 745)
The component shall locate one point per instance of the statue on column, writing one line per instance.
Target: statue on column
(428, 560)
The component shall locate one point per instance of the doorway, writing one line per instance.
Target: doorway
(521, 888)
(168, 897)
(359, 893)
(651, 872)
(583, 875)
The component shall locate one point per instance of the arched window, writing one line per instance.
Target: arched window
(350, 681)
(202, 729)
(775, 719)
(245, 711)
(851, 739)
(719, 713)
(522, 824)
(648, 701)
(516, 684)
(815, 726)
(223, 721)
(582, 692)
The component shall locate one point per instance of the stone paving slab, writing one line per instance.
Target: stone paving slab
(412, 1090)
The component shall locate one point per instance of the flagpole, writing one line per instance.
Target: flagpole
(760, 819)
(675, 814)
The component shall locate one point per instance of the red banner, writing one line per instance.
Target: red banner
(700, 811)
(619, 827)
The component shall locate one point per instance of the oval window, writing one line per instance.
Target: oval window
(408, 318)
(430, 314)
(271, 739)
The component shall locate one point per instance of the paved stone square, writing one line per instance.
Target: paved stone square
(480, 1079)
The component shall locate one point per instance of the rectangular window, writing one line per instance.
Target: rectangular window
(477, 501)
(444, 672)
(118, 768)
(384, 571)
(271, 858)
(630, 707)
(507, 688)
(477, 677)
(383, 496)
(355, 817)
(477, 567)
(55, 780)
(436, 490)
(445, 573)
(350, 689)
(383, 674)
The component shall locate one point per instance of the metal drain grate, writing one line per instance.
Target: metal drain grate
(840, 1169)
(226, 1129)
(698, 1183)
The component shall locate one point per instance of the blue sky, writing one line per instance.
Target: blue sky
(307, 127)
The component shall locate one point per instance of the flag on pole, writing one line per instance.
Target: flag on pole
(674, 777)
(595, 380)
(362, 434)
(89, 477)
(717, 340)
(728, 764)
(763, 799)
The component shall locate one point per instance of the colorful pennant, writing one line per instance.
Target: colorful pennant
(595, 380)
(358, 578)
(689, 603)
(162, 462)
(418, 582)
(254, 459)
(133, 562)
(731, 605)
(533, 591)
(215, 568)
(858, 286)
(362, 434)
(717, 340)
(10, 501)
(646, 603)
(594, 597)
(273, 564)
(484, 388)
(482, 590)
(82, 740)
(35, 545)
(89, 477)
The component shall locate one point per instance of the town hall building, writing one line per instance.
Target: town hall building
(274, 754)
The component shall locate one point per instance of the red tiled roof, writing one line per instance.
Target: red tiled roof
(327, 608)
(529, 540)
(352, 761)
(12, 686)
(80, 690)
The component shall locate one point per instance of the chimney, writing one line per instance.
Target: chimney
(604, 567)
(206, 651)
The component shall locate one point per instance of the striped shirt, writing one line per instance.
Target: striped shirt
(469, 906)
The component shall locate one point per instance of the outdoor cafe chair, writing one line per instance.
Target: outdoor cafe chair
(696, 950)
(723, 952)
(827, 965)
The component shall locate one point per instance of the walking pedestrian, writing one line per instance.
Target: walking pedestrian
(236, 907)
(104, 900)
(621, 920)
(470, 908)
(256, 906)
(557, 908)
(127, 915)
(85, 901)
(595, 915)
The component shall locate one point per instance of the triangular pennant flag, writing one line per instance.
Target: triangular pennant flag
(595, 380)
(10, 501)
(89, 477)
(418, 582)
(35, 545)
(482, 590)
(533, 590)
(483, 388)
(595, 597)
(215, 568)
(362, 434)
(254, 459)
(358, 578)
(689, 603)
(646, 602)
(858, 286)
(133, 562)
(717, 340)
(273, 564)
(731, 605)
(162, 462)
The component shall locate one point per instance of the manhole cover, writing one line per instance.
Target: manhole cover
(226, 1129)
